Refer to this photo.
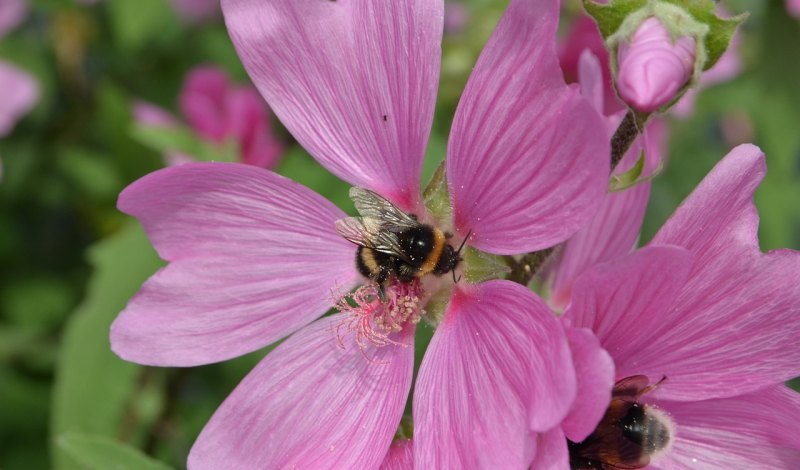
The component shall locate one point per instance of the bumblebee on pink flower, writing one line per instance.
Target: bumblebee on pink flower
(504, 383)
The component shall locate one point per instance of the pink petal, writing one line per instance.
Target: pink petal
(196, 11)
(354, 81)
(528, 158)
(625, 303)
(249, 125)
(400, 456)
(203, 99)
(253, 257)
(594, 370)
(152, 115)
(734, 327)
(497, 367)
(311, 404)
(793, 7)
(584, 35)
(758, 431)
(611, 233)
(551, 451)
(12, 13)
(19, 93)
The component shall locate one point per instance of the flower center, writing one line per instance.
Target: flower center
(375, 316)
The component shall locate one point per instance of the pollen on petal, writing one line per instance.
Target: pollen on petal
(374, 318)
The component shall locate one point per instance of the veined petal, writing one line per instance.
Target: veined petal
(253, 256)
(528, 157)
(734, 327)
(400, 456)
(594, 370)
(311, 403)
(551, 451)
(757, 430)
(19, 93)
(354, 81)
(625, 301)
(497, 368)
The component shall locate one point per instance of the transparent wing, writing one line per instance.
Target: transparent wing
(371, 205)
(370, 233)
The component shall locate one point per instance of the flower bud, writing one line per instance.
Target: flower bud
(653, 67)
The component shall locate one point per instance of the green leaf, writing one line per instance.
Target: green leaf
(609, 17)
(181, 139)
(103, 453)
(93, 386)
(480, 266)
(437, 196)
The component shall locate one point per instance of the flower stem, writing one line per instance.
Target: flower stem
(629, 129)
(522, 271)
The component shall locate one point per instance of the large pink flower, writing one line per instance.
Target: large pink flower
(254, 257)
(702, 308)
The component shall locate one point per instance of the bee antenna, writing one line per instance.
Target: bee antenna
(464, 242)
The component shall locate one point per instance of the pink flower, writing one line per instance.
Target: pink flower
(19, 91)
(218, 111)
(709, 321)
(652, 68)
(793, 7)
(614, 230)
(12, 13)
(196, 11)
(254, 257)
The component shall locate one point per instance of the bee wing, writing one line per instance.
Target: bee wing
(371, 233)
(372, 205)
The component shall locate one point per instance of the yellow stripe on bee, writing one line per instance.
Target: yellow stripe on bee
(368, 257)
(433, 258)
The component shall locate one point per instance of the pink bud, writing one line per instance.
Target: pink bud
(651, 67)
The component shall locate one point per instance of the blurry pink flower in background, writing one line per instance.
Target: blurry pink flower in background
(254, 257)
(456, 16)
(197, 11)
(12, 12)
(19, 91)
(219, 111)
(652, 68)
(793, 7)
(721, 329)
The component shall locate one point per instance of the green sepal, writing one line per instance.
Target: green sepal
(612, 16)
(633, 176)
(181, 139)
(480, 266)
(436, 306)
(436, 197)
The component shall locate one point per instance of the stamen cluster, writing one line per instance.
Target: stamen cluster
(374, 316)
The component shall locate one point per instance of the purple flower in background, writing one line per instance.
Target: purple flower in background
(219, 111)
(254, 257)
(653, 66)
(19, 91)
(197, 11)
(793, 7)
(706, 325)
(12, 13)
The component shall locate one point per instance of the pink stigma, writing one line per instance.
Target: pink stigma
(374, 320)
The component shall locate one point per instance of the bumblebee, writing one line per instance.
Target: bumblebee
(394, 243)
(629, 434)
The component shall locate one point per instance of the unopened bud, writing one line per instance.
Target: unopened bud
(653, 67)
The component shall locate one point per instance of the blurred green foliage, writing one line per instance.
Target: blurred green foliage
(70, 261)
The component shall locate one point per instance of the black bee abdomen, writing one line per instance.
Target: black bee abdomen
(417, 243)
(633, 424)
